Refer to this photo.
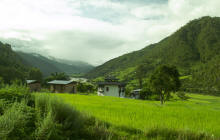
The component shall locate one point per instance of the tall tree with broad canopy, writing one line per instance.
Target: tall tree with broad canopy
(165, 80)
(35, 74)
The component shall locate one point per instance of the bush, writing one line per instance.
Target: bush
(154, 97)
(182, 95)
(17, 122)
(86, 88)
(57, 120)
(145, 93)
(44, 116)
(14, 92)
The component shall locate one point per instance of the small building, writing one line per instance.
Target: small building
(135, 94)
(111, 87)
(63, 86)
(33, 85)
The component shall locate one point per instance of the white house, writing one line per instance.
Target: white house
(111, 87)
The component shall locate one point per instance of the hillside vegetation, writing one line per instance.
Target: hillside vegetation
(48, 66)
(194, 49)
(11, 66)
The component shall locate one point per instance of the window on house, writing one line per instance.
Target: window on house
(107, 89)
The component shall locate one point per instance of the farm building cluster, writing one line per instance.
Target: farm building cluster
(109, 87)
(56, 86)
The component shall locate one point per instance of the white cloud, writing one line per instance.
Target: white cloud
(93, 30)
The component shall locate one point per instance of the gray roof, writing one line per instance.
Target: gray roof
(60, 82)
(31, 81)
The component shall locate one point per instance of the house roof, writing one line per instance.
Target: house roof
(31, 81)
(111, 83)
(60, 82)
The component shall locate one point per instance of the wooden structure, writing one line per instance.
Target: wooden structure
(63, 86)
(111, 87)
(33, 85)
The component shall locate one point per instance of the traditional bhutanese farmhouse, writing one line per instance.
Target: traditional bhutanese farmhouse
(111, 87)
(33, 85)
(63, 86)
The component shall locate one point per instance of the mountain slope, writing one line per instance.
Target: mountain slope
(51, 65)
(193, 46)
(11, 66)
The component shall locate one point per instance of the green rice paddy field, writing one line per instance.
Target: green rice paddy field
(199, 114)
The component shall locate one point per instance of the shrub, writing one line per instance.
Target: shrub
(57, 119)
(17, 122)
(14, 92)
(145, 93)
(182, 95)
(154, 97)
(86, 87)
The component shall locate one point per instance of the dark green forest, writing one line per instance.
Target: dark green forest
(22, 66)
(194, 49)
(11, 66)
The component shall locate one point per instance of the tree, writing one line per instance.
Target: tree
(165, 80)
(35, 74)
(1, 82)
(140, 73)
(85, 88)
(59, 76)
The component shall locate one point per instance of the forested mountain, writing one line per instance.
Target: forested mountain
(51, 65)
(194, 49)
(11, 67)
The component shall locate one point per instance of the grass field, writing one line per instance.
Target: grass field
(198, 115)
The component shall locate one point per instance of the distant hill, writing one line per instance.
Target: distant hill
(51, 65)
(194, 49)
(11, 67)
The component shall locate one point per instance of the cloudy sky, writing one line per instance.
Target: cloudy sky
(95, 30)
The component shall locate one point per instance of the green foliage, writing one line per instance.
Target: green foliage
(14, 92)
(140, 74)
(16, 122)
(56, 76)
(11, 66)
(146, 93)
(59, 120)
(65, 116)
(165, 80)
(86, 88)
(132, 85)
(1, 82)
(194, 49)
(35, 74)
(182, 95)
(45, 116)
